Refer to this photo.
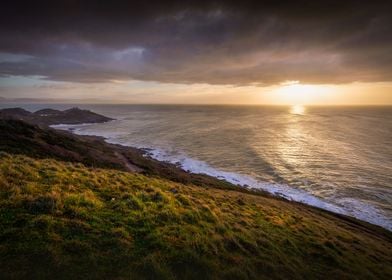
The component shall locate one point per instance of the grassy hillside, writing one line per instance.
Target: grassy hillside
(18, 137)
(63, 220)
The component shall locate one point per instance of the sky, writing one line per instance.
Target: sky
(204, 52)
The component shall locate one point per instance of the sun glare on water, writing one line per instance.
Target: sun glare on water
(297, 110)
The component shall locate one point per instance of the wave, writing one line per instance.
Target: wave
(346, 206)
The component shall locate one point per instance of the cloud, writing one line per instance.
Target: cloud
(215, 42)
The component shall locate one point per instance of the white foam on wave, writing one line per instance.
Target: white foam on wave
(282, 190)
(365, 212)
(69, 126)
(346, 206)
(74, 127)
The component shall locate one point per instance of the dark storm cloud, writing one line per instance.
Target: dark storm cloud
(217, 42)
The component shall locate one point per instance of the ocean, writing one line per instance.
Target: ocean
(335, 158)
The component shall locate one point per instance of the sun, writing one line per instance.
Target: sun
(294, 93)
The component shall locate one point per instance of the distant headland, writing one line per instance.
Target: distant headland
(48, 117)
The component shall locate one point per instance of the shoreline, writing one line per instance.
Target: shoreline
(245, 182)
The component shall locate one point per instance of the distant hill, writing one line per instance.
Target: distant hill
(51, 116)
(16, 113)
(48, 112)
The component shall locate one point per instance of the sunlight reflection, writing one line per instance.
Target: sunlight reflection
(294, 142)
(297, 110)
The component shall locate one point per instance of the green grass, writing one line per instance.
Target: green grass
(63, 220)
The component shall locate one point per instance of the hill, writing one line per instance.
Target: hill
(19, 137)
(63, 217)
(50, 117)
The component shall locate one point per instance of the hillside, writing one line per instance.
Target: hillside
(19, 137)
(47, 117)
(65, 218)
